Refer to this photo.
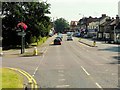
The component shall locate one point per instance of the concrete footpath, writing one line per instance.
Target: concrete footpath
(17, 52)
(95, 43)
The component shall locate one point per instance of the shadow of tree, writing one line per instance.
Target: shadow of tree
(30, 54)
(116, 61)
(113, 49)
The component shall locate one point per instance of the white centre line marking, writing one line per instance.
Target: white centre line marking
(61, 75)
(59, 65)
(62, 86)
(87, 50)
(60, 71)
(98, 85)
(85, 70)
(61, 79)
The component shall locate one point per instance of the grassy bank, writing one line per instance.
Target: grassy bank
(11, 79)
(40, 42)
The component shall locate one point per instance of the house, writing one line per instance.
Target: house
(93, 28)
(74, 26)
(86, 23)
(102, 23)
(115, 30)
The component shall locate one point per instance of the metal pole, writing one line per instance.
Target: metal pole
(22, 44)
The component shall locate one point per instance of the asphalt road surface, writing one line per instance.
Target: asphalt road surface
(70, 65)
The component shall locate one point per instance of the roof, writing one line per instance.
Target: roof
(74, 23)
(113, 23)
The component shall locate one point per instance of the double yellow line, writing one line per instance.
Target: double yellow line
(31, 80)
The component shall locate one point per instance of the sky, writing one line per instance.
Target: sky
(73, 10)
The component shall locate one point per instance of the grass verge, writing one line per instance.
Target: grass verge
(11, 79)
(40, 42)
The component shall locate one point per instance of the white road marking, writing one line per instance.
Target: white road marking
(114, 74)
(38, 65)
(106, 70)
(45, 50)
(59, 65)
(61, 79)
(98, 85)
(60, 71)
(61, 75)
(100, 64)
(60, 68)
(87, 50)
(62, 86)
(85, 70)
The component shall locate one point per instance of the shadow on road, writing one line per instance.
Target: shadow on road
(116, 61)
(53, 45)
(30, 54)
(112, 49)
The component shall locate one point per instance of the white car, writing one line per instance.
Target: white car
(69, 38)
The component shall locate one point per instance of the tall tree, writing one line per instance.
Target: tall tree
(61, 24)
(31, 13)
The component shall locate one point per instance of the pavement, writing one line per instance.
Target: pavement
(17, 52)
(95, 43)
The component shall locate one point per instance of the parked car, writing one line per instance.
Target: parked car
(60, 35)
(57, 41)
(69, 38)
(77, 34)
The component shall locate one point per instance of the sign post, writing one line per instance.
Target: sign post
(23, 27)
(22, 34)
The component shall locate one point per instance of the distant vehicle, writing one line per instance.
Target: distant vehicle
(69, 38)
(59, 37)
(69, 33)
(50, 34)
(57, 41)
(77, 34)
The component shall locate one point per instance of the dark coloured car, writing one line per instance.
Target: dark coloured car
(59, 38)
(77, 34)
(57, 41)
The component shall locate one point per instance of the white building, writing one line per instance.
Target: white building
(119, 8)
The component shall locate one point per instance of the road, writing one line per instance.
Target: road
(70, 65)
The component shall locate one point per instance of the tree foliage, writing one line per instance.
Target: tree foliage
(31, 13)
(61, 24)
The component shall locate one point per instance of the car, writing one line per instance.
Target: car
(59, 38)
(69, 38)
(57, 41)
(60, 35)
(77, 34)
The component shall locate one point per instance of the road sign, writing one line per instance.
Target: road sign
(21, 33)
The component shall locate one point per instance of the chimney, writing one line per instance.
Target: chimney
(108, 19)
(117, 19)
(103, 15)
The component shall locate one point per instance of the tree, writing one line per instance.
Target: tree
(31, 13)
(60, 25)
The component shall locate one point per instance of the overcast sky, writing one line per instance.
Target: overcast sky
(76, 9)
